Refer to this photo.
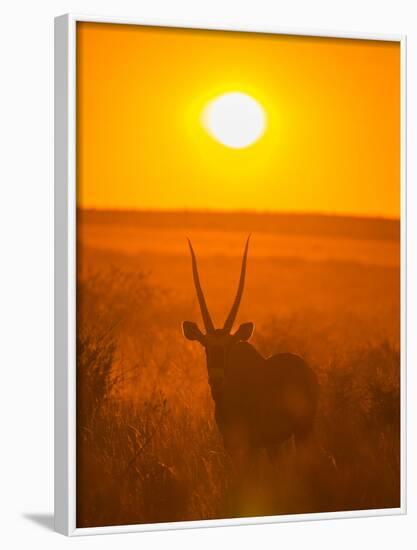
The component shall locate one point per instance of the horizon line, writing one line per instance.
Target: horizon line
(259, 212)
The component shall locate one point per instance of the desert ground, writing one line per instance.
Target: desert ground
(323, 287)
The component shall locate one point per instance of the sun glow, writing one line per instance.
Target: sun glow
(234, 119)
(155, 111)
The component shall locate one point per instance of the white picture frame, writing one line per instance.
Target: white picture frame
(65, 280)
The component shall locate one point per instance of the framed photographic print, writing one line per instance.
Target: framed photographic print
(229, 275)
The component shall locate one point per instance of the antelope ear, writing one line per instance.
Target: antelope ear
(191, 331)
(244, 332)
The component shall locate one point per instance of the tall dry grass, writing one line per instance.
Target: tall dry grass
(148, 448)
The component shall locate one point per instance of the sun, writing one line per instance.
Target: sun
(234, 119)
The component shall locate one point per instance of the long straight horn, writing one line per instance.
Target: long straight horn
(233, 312)
(208, 323)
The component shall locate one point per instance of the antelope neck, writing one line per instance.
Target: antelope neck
(215, 369)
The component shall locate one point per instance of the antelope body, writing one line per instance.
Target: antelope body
(259, 403)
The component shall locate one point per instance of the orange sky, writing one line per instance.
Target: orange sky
(332, 142)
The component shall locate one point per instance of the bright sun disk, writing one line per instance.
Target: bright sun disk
(234, 119)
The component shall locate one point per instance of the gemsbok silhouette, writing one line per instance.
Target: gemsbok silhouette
(259, 402)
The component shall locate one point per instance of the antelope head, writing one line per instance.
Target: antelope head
(217, 341)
